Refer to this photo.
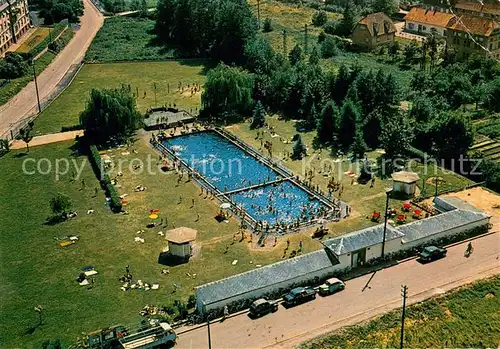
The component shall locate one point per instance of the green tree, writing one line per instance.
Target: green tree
(342, 83)
(394, 49)
(329, 47)
(491, 97)
(299, 149)
(314, 56)
(60, 205)
(350, 117)
(358, 146)
(13, 66)
(295, 55)
(328, 123)
(389, 7)
(348, 21)
(259, 116)
(452, 134)
(110, 114)
(260, 56)
(227, 93)
(268, 25)
(396, 136)
(410, 52)
(319, 18)
(26, 134)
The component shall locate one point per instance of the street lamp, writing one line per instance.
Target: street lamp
(36, 86)
(388, 192)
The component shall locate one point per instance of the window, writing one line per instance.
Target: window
(411, 26)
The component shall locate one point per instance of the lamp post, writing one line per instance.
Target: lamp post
(404, 294)
(388, 192)
(36, 86)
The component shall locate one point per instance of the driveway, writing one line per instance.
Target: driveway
(363, 298)
(25, 103)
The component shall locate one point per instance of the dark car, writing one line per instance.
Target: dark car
(431, 253)
(299, 295)
(262, 307)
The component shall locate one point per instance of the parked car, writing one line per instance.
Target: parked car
(431, 253)
(262, 306)
(299, 295)
(331, 286)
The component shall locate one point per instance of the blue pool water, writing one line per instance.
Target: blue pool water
(222, 163)
(228, 167)
(287, 201)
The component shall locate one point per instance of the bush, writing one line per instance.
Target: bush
(268, 26)
(319, 18)
(96, 161)
(329, 48)
(330, 27)
(71, 128)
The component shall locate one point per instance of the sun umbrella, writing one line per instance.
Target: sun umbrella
(225, 205)
(417, 212)
(153, 216)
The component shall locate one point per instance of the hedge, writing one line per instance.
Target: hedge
(109, 188)
(58, 29)
(71, 128)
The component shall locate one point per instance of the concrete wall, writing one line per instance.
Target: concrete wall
(429, 239)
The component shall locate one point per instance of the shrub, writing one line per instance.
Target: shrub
(71, 128)
(330, 27)
(329, 48)
(268, 26)
(96, 162)
(319, 18)
(191, 303)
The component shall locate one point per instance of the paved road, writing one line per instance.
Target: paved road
(24, 103)
(289, 327)
(47, 139)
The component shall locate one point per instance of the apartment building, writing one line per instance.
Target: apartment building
(14, 22)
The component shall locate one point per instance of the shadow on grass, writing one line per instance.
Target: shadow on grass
(165, 258)
(30, 330)
(54, 220)
(20, 155)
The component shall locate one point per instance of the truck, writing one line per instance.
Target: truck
(160, 335)
(299, 295)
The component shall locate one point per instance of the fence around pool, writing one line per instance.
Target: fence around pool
(327, 210)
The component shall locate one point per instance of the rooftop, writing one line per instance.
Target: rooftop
(263, 277)
(361, 239)
(405, 177)
(474, 24)
(181, 235)
(480, 7)
(378, 24)
(166, 118)
(427, 16)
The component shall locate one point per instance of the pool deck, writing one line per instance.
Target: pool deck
(338, 209)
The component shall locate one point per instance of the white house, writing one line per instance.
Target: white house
(426, 21)
(404, 182)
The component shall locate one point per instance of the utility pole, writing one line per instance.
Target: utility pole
(154, 88)
(209, 339)
(404, 293)
(305, 38)
(258, 13)
(284, 42)
(436, 192)
(387, 193)
(36, 87)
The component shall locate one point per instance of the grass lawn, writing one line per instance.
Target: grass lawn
(291, 18)
(465, 318)
(38, 35)
(36, 270)
(125, 39)
(11, 88)
(362, 198)
(66, 109)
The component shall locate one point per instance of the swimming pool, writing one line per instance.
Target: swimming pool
(261, 191)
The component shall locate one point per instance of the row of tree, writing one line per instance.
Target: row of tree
(54, 11)
(218, 29)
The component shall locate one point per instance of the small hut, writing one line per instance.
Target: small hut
(405, 182)
(180, 242)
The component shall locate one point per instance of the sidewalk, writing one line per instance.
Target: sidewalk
(47, 139)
